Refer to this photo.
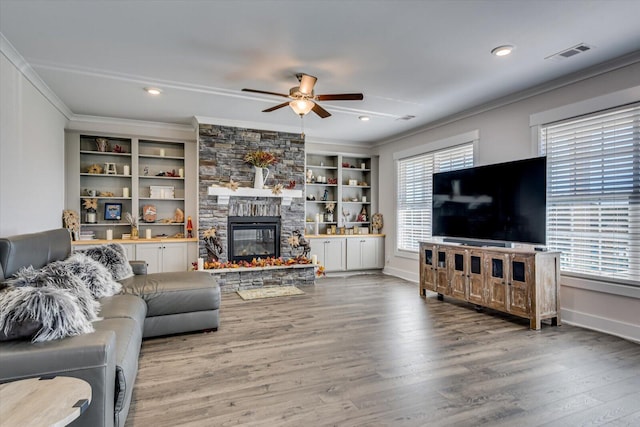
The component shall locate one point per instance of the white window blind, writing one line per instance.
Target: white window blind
(593, 192)
(415, 178)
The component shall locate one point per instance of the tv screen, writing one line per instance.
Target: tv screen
(503, 202)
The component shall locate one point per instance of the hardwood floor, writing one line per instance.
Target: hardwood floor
(368, 351)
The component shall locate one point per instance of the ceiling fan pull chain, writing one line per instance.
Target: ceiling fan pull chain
(302, 126)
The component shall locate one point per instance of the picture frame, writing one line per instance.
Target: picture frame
(113, 211)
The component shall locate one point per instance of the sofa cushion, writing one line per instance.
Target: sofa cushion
(114, 257)
(127, 306)
(55, 311)
(94, 275)
(172, 293)
(128, 341)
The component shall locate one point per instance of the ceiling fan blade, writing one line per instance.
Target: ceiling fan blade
(268, 110)
(265, 92)
(341, 97)
(307, 83)
(320, 111)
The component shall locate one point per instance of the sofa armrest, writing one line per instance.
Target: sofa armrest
(91, 357)
(138, 267)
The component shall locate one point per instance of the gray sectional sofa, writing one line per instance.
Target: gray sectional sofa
(152, 305)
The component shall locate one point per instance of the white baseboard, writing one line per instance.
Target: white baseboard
(601, 324)
(411, 276)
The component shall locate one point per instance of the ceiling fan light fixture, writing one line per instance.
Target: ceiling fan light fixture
(153, 91)
(301, 106)
(503, 50)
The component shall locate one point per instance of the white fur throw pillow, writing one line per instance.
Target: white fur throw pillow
(54, 310)
(57, 275)
(94, 275)
(114, 257)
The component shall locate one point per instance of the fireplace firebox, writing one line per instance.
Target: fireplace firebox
(253, 237)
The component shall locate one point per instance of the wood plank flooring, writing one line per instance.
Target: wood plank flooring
(368, 351)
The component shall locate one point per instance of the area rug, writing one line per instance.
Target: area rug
(269, 292)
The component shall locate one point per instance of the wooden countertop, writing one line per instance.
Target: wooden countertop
(134, 241)
(336, 236)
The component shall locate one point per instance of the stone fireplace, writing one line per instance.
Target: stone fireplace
(221, 158)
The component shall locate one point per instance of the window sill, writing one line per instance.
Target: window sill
(620, 289)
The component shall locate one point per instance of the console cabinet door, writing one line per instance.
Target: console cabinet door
(442, 276)
(476, 274)
(520, 284)
(427, 268)
(458, 273)
(496, 268)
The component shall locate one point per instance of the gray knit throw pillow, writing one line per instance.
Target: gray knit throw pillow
(43, 314)
(94, 275)
(114, 257)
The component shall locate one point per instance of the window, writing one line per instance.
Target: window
(593, 192)
(414, 191)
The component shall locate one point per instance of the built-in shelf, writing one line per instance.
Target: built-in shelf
(224, 194)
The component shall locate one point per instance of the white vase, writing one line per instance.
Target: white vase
(260, 178)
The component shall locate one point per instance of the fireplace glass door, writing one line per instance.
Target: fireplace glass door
(254, 237)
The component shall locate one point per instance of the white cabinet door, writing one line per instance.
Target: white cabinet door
(151, 253)
(364, 253)
(354, 254)
(335, 254)
(174, 257)
(331, 252)
(163, 257)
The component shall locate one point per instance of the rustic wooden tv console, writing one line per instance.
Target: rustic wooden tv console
(517, 281)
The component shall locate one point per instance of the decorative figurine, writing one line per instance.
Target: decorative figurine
(362, 216)
(189, 228)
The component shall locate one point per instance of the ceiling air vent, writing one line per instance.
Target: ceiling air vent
(407, 117)
(568, 53)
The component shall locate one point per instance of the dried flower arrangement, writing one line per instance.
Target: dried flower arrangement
(131, 220)
(260, 158)
(90, 204)
(330, 207)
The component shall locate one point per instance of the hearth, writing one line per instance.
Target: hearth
(253, 237)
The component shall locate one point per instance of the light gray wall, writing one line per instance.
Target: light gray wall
(505, 135)
(31, 156)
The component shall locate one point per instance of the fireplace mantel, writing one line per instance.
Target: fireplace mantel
(224, 194)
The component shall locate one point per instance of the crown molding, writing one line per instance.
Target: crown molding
(32, 77)
(576, 77)
(84, 123)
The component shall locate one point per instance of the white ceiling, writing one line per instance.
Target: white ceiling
(429, 59)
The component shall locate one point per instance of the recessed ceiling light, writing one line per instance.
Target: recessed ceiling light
(502, 50)
(365, 118)
(153, 90)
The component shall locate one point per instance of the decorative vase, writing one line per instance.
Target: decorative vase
(260, 178)
(134, 233)
(91, 217)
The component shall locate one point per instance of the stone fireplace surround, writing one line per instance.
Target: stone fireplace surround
(221, 151)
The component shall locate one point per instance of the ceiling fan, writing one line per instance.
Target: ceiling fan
(303, 98)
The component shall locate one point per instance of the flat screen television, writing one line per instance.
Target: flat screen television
(504, 202)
